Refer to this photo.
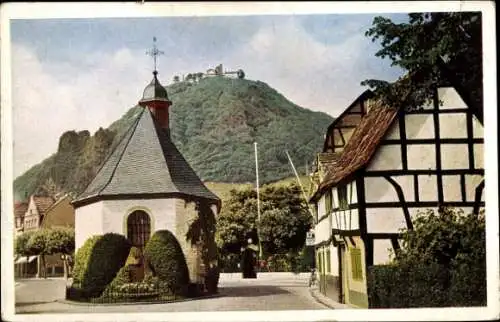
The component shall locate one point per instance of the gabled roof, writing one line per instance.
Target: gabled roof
(43, 203)
(364, 96)
(58, 201)
(20, 209)
(361, 147)
(145, 164)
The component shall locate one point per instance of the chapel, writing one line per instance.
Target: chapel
(145, 184)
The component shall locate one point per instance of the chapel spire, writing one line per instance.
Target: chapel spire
(155, 96)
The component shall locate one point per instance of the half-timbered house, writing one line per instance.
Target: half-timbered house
(392, 165)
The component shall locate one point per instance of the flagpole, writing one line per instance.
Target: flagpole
(258, 201)
(300, 184)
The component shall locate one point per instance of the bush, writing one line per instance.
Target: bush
(442, 262)
(164, 257)
(98, 261)
(82, 257)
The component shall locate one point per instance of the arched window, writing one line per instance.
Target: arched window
(138, 228)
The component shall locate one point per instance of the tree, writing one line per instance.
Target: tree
(433, 48)
(176, 79)
(189, 77)
(62, 241)
(21, 244)
(38, 244)
(284, 220)
(199, 75)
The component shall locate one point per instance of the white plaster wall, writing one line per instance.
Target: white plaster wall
(478, 156)
(354, 195)
(378, 189)
(407, 185)
(161, 212)
(419, 126)
(385, 220)
(421, 156)
(427, 187)
(453, 126)
(334, 260)
(471, 183)
(450, 98)
(321, 206)
(381, 251)
(88, 222)
(335, 198)
(477, 128)
(454, 156)
(393, 132)
(451, 188)
(322, 231)
(387, 157)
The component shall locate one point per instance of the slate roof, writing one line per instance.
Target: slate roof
(361, 147)
(146, 164)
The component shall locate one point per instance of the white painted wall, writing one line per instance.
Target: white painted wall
(478, 156)
(160, 211)
(384, 220)
(421, 156)
(453, 126)
(427, 187)
(378, 189)
(387, 157)
(381, 251)
(419, 126)
(454, 156)
(451, 188)
(471, 183)
(110, 216)
(450, 98)
(88, 222)
(393, 132)
(407, 185)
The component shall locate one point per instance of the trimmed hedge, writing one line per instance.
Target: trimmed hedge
(426, 285)
(97, 263)
(164, 257)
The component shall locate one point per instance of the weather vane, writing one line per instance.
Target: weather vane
(154, 52)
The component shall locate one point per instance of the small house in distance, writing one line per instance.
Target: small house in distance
(374, 180)
(29, 217)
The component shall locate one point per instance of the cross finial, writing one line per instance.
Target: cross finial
(154, 52)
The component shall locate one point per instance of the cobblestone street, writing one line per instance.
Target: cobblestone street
(270, 291)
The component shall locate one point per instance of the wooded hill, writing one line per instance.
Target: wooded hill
(214, 123)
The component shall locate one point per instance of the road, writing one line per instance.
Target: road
(270, 291)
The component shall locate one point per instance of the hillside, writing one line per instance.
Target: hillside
(214, 124)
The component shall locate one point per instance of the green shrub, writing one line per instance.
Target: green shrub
(82, 258)
(442, 262)
(98, 261)
(122, 277)
(164, 257)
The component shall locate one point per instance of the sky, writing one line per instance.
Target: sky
(82, 74)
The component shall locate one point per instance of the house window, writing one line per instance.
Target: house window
(328, 201)
(356, 264)
(342, 194)
(315, 210)
(320, 263)
(138, 228)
